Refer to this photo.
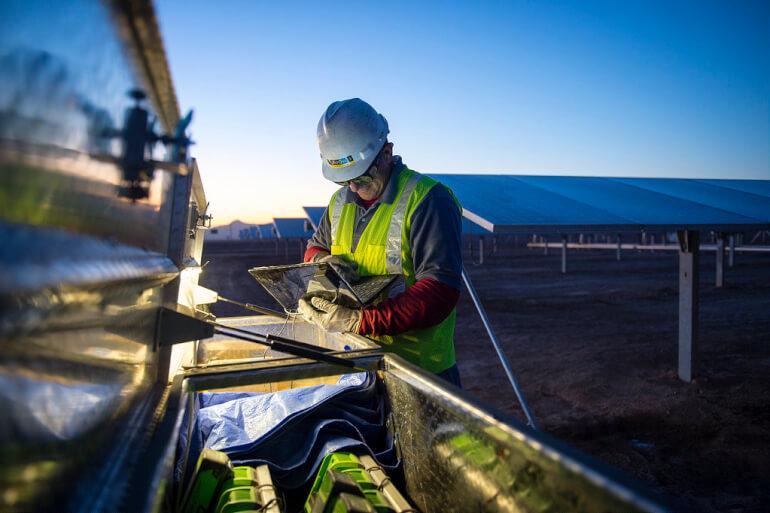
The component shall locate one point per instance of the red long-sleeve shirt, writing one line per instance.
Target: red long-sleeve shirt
(312, 251)
(424, 304)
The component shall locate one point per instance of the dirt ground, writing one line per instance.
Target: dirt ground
(595, 351)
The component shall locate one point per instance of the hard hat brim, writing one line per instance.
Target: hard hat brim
(343, 174)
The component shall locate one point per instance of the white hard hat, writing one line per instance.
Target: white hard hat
(350, 135)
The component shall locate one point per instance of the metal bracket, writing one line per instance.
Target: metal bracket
(204, 219)
(198, 220)
(180, 324)
(686, 240)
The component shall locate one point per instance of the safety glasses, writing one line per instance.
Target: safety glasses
(366, 178)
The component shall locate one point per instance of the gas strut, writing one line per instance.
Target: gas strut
(255, 308)
(286, 345)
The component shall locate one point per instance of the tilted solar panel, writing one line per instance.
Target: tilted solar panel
(570, 203)
(314, 214)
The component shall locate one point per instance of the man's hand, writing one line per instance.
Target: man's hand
(329, 316)
(346, 270)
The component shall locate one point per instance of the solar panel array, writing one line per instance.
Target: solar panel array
(524, 203)
(314, 214)
(287, 227)
(266, 231)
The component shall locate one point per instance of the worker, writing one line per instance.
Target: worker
(387, 219)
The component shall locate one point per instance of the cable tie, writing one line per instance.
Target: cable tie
(269, 504)
(385, 481)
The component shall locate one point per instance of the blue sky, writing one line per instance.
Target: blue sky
(578, 88)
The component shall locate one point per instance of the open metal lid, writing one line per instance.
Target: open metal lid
(288, 283)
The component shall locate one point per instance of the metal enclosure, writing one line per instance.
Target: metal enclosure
(86, 267)
(532, 472)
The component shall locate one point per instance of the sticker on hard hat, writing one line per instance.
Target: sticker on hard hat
(343, 162)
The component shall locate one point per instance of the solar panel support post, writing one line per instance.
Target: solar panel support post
(564, 254)
(498, 349)
(689, 253)
(617, 251)
(481, 250)
(720, 261)
(731, 254)
(544, 240)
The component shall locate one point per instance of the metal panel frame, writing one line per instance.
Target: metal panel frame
(613, 228)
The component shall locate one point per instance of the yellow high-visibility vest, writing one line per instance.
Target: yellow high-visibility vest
(384, 249)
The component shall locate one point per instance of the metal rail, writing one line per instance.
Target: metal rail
(498, 349)
(647, 247)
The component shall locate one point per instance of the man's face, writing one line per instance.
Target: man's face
(381, 175)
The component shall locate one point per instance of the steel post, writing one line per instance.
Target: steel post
(731, 254)
(689, 242)
(481, 250)
(720, 261)
(564, 254)
(498, 349)
(617, 251)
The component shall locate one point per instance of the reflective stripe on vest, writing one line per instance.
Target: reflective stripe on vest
(339, 202)
(393, 244)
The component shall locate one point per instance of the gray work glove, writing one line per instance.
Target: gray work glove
(329, 316)
(348, 271)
